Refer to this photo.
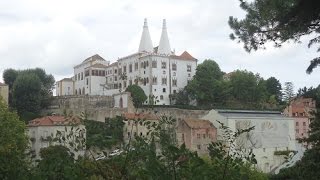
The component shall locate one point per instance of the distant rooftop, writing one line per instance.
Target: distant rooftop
(94, 57)
(198, 123)
(55, 120)
(249, 113)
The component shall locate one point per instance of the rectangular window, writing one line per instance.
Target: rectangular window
(86, 73)
(204, 136)
(163, 65)
(297, 131)
(115, 71)
(188, 68)
(154, 80)
(130, 67)
(115, 78)
(174, 67)
(297, 123)
(304, 123)
(136, 66)
(130, 82)
(75, 77)
(124, 69)
(154, 64)
(141, 65)
(182, 137)
(87, 81)
(164, 81)
(199, 146)
(198, 136)
(124, 84)
(174, 82)
(164, 90)
(79, 77)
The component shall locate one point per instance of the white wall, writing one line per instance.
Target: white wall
(124, 96)
(43, 131)
(270, 134)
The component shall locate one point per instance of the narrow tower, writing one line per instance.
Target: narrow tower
(145, 42)
(164, 45)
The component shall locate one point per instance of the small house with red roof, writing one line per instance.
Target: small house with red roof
(196, 134)
(47, 130)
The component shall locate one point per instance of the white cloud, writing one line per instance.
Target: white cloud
(56, 35)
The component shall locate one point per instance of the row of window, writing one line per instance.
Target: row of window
(204, 136)
(303, 123)
(296, 114)
(145, 64)
(145, 81)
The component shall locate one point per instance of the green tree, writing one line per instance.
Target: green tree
(57, 162)
(26, 94)
(247, 88)
(273, 87)
(137, 94)
(13, 145)
(206, 85)
(30, 90)
(104, 134)
(278, 22)
(182, 97)
(288, 92)
(9, 76)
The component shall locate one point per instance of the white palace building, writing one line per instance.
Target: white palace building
(157, 70)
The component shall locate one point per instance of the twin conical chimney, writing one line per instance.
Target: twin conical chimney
(146, 43)
(164, 45)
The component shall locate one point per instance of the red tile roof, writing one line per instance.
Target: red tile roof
(54, 121)
(198, 123)
(184, 56)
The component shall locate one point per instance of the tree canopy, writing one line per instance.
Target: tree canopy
(206, 86)
(13, 144)
(240, 89)
(278, 22)
(137, 94)
(30, 90)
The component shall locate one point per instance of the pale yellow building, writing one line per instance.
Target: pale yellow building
(4, 92)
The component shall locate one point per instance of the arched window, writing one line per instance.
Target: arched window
(76, 92)
(83, 91)
(79, 91)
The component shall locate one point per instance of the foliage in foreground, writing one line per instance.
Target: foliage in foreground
(154, 156)
(307, 167)
(13, 144)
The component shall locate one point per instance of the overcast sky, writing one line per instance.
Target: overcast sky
(59, 34)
